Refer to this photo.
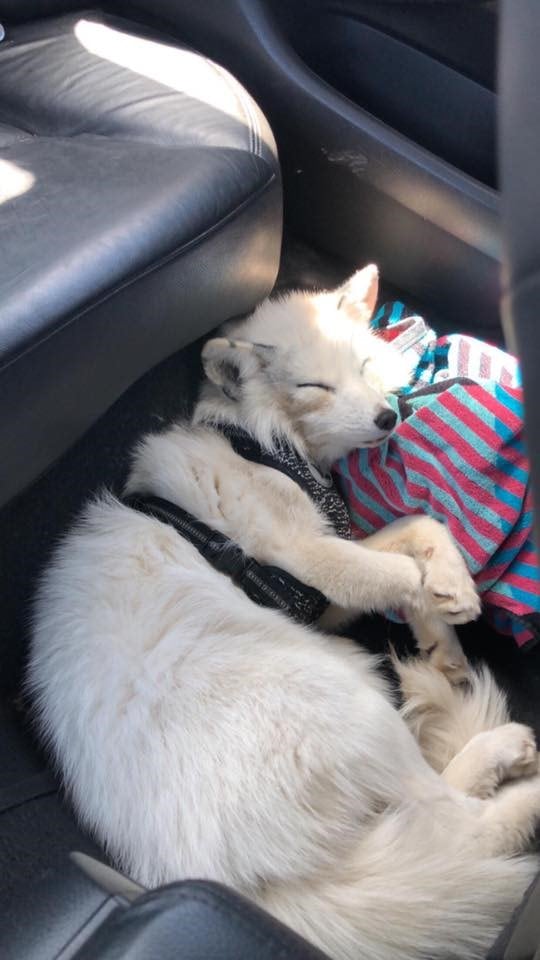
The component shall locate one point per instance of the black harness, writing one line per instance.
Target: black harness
(319, 487)
(266, 585)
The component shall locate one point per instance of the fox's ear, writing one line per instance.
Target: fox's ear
(358, 295)
(231, 363)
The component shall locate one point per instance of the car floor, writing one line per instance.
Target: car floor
(37, 828)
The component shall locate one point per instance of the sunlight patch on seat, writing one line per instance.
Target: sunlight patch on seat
(14, 181)
(178, 69)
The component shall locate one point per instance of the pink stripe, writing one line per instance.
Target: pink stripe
(371, 518)
(474, 457)
(505, 377)
(468, 484)
(464, 350)
(515, 540)
(455, 524)
(511, 456)
(527, 584)
(454, 403)
(505, 603)
(459, 533)
(502, 411)
(515, 392)
(385, 478)
(473, 421)
(396, 461)
(485, 365)
(476, 521)
(503, 623)
(493, 573)
(499, 410)
(501, 509)
(375, 522)
(365, 511)
(476, 460)
(365, 484)
(496, 570)
(530, 557)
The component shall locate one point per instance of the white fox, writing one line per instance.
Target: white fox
(201, 735)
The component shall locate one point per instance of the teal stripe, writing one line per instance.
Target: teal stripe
(470, 502)
(378, 508)
(487, 416)
(363, 497)
(506, 555)
(414, 503)
(361, 523)
(508, 400)
(409, 499)
(530, 599)
(397, 312)
(454, 510)
(400, 483)
(511, 500)
(483, 448)
(528, 570)
(463, 466)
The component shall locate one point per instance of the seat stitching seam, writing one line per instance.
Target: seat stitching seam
(245, 102)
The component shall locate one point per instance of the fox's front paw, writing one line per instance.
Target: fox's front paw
(449, 588)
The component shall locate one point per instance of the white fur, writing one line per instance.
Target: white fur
(201, 735)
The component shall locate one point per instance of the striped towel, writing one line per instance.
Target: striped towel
(457, 455)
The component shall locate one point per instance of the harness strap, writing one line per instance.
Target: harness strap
(266, 585)
(319, 487)
(249, 448)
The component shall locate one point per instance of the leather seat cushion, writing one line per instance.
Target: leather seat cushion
(102, 213)
(121, 157)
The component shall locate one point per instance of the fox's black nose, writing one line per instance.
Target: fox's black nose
(386, 420)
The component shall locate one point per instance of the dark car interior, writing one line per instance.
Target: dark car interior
(164, 166)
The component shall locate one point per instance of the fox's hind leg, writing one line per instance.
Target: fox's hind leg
(465, 733)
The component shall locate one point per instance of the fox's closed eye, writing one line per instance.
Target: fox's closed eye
(319, 386)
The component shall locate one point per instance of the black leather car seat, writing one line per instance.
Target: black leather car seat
(140, 205)
(90, 912)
